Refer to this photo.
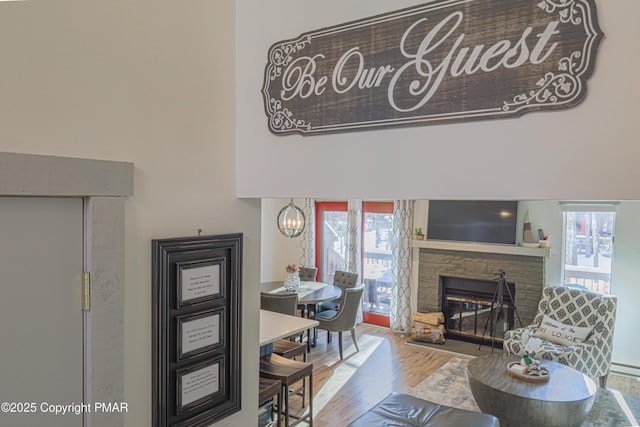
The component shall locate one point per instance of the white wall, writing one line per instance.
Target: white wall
(625, 276)
(548, 155)
(150, 82)
(277, 251)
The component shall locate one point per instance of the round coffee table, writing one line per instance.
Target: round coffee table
(565, 400)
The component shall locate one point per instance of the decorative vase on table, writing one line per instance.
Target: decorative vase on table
(292, 281)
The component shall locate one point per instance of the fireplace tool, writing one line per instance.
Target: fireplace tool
(497, 306)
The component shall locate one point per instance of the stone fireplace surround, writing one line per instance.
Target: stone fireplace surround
(526, 270)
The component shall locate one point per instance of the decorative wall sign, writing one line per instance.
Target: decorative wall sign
(441, 62)
(197, 293)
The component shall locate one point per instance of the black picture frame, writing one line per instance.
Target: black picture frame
(217, 315)
(171, 311)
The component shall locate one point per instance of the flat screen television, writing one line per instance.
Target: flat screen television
(481, 221)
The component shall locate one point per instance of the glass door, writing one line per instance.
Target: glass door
(377, 221)
(331, 238)
(376, 238)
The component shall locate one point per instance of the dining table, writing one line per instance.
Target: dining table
(309, 293)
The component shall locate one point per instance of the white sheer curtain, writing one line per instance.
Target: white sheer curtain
(308, 237)
(354, 242)
(400, 316)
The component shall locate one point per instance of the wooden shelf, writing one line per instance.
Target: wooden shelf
(481, 247)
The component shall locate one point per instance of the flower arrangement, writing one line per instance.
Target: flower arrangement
(531, 345)
(292, 268)
(292, 281)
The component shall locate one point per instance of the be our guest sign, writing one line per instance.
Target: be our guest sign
(441, 62)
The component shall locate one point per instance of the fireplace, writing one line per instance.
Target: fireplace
(523, 267)
(466, 304)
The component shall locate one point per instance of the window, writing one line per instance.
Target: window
(588, 237)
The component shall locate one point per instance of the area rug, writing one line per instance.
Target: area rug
(449, 386)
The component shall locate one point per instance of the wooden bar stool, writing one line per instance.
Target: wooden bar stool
(269, 389)
(289, 372)
(291, 350)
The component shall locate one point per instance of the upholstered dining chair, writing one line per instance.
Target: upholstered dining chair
(579, 309)
(344, 318)
(285, 304)
(343, 280)
(280, 303)
(308, 273)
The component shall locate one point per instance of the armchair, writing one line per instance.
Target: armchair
(578, 308)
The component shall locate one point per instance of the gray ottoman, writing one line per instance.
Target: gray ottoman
(402, 410)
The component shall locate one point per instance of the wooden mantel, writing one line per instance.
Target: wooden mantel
(481, 247)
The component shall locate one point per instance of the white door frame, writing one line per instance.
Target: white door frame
(104, 185)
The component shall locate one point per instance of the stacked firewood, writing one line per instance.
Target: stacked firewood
(428, 327)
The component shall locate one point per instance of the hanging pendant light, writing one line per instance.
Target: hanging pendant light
(291, 220)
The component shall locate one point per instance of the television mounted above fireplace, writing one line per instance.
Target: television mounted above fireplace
(478, 221)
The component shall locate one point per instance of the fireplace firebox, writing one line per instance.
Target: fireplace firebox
(466, 304)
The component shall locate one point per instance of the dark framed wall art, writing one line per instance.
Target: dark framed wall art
(197, 292)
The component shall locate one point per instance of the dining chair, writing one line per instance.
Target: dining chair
(343, 280)
(308, 274)
(280, 303)
(343, 319)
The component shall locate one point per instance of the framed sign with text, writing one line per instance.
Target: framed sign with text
(196, 304)
(442, 62)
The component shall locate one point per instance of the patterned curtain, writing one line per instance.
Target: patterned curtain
(354, 233)
(308, 237)
(400, 319)
(354, 242)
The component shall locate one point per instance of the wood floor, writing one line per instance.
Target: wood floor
(343, 390)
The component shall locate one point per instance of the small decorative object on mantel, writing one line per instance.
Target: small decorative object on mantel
(419, 234)
(527, 235)
(292, 280)
(545, 242)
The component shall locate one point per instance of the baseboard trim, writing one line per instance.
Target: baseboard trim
(624, 369)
